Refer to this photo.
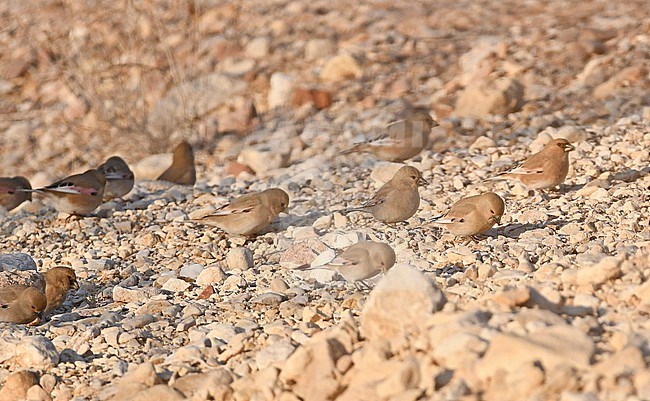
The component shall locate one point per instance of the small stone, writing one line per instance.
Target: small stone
(269, 298)
(235, 168)
(302, 253)
(483, 142)
(319, 48)
(127, 295)
(240, 258)
(264, 158)
(258, 47)
(321, 99)
(211, 275)
(191, 271)
(280, 91)
(176, 285)
(278, 285)
(341, 68)
(276, 352)
(482, 98)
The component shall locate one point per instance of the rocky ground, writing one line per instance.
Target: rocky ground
(553, 305)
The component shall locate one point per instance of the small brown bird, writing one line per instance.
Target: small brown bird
(21, 304)
(249, 214)
(398, 199)
(10, 191)
(58, 281)
(119, 178)
(472, 215)
(546, 169)
(360, 261)
(403, 139)
(78, 194)
(182, 170)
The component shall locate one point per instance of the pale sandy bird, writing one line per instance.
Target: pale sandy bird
(10, 191)
(119, 178)
(472, 215)
(182, 170)
(360, 261)
(21, 304)
(546, 169)
(78, 194)
(403, 139)
(249, 214)
(58, 282)
(398, 199)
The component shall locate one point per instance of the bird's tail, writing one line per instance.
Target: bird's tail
(358, 148)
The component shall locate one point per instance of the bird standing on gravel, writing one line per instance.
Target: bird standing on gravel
(119, 178)
(58, 282)
(472, 215)
(21, 304)
(546, 169)
(10, 194)
(360, 261)
(249, 214)
(398, 199)
(404, 138)
(182, 170)
(78, 194)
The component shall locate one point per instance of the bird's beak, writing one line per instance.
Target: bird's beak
(422, 182)
(568, 147)
(115, 176)
(497, 219)
(75, 285)
(37, 321)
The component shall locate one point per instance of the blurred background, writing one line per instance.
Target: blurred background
(81, 80)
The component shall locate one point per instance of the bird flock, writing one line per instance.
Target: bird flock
(248, 215)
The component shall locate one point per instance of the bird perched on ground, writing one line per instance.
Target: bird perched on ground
(58, 281)
(182, 170)
(119, 178)
(360, 261)
(10, 191)
(21, 304)
(472, 215)
(398, 199)
(78, 194)
(249, 214)
(402, 140)
(546, 169)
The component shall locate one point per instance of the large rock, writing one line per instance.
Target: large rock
(311, 371)
(266, 157)
(16, 386)
(400, 305)
(191, 100)
(482, 98)
(552, 346)
(151, 167)
(16, 261)
(33, 352)
(608, 268)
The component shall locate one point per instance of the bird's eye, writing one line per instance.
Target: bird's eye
(492, 211)
(462, 220)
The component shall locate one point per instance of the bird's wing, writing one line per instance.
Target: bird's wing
(380, 196)
(69, 187)
(243, 204)
(351, 257)
(457, 213)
